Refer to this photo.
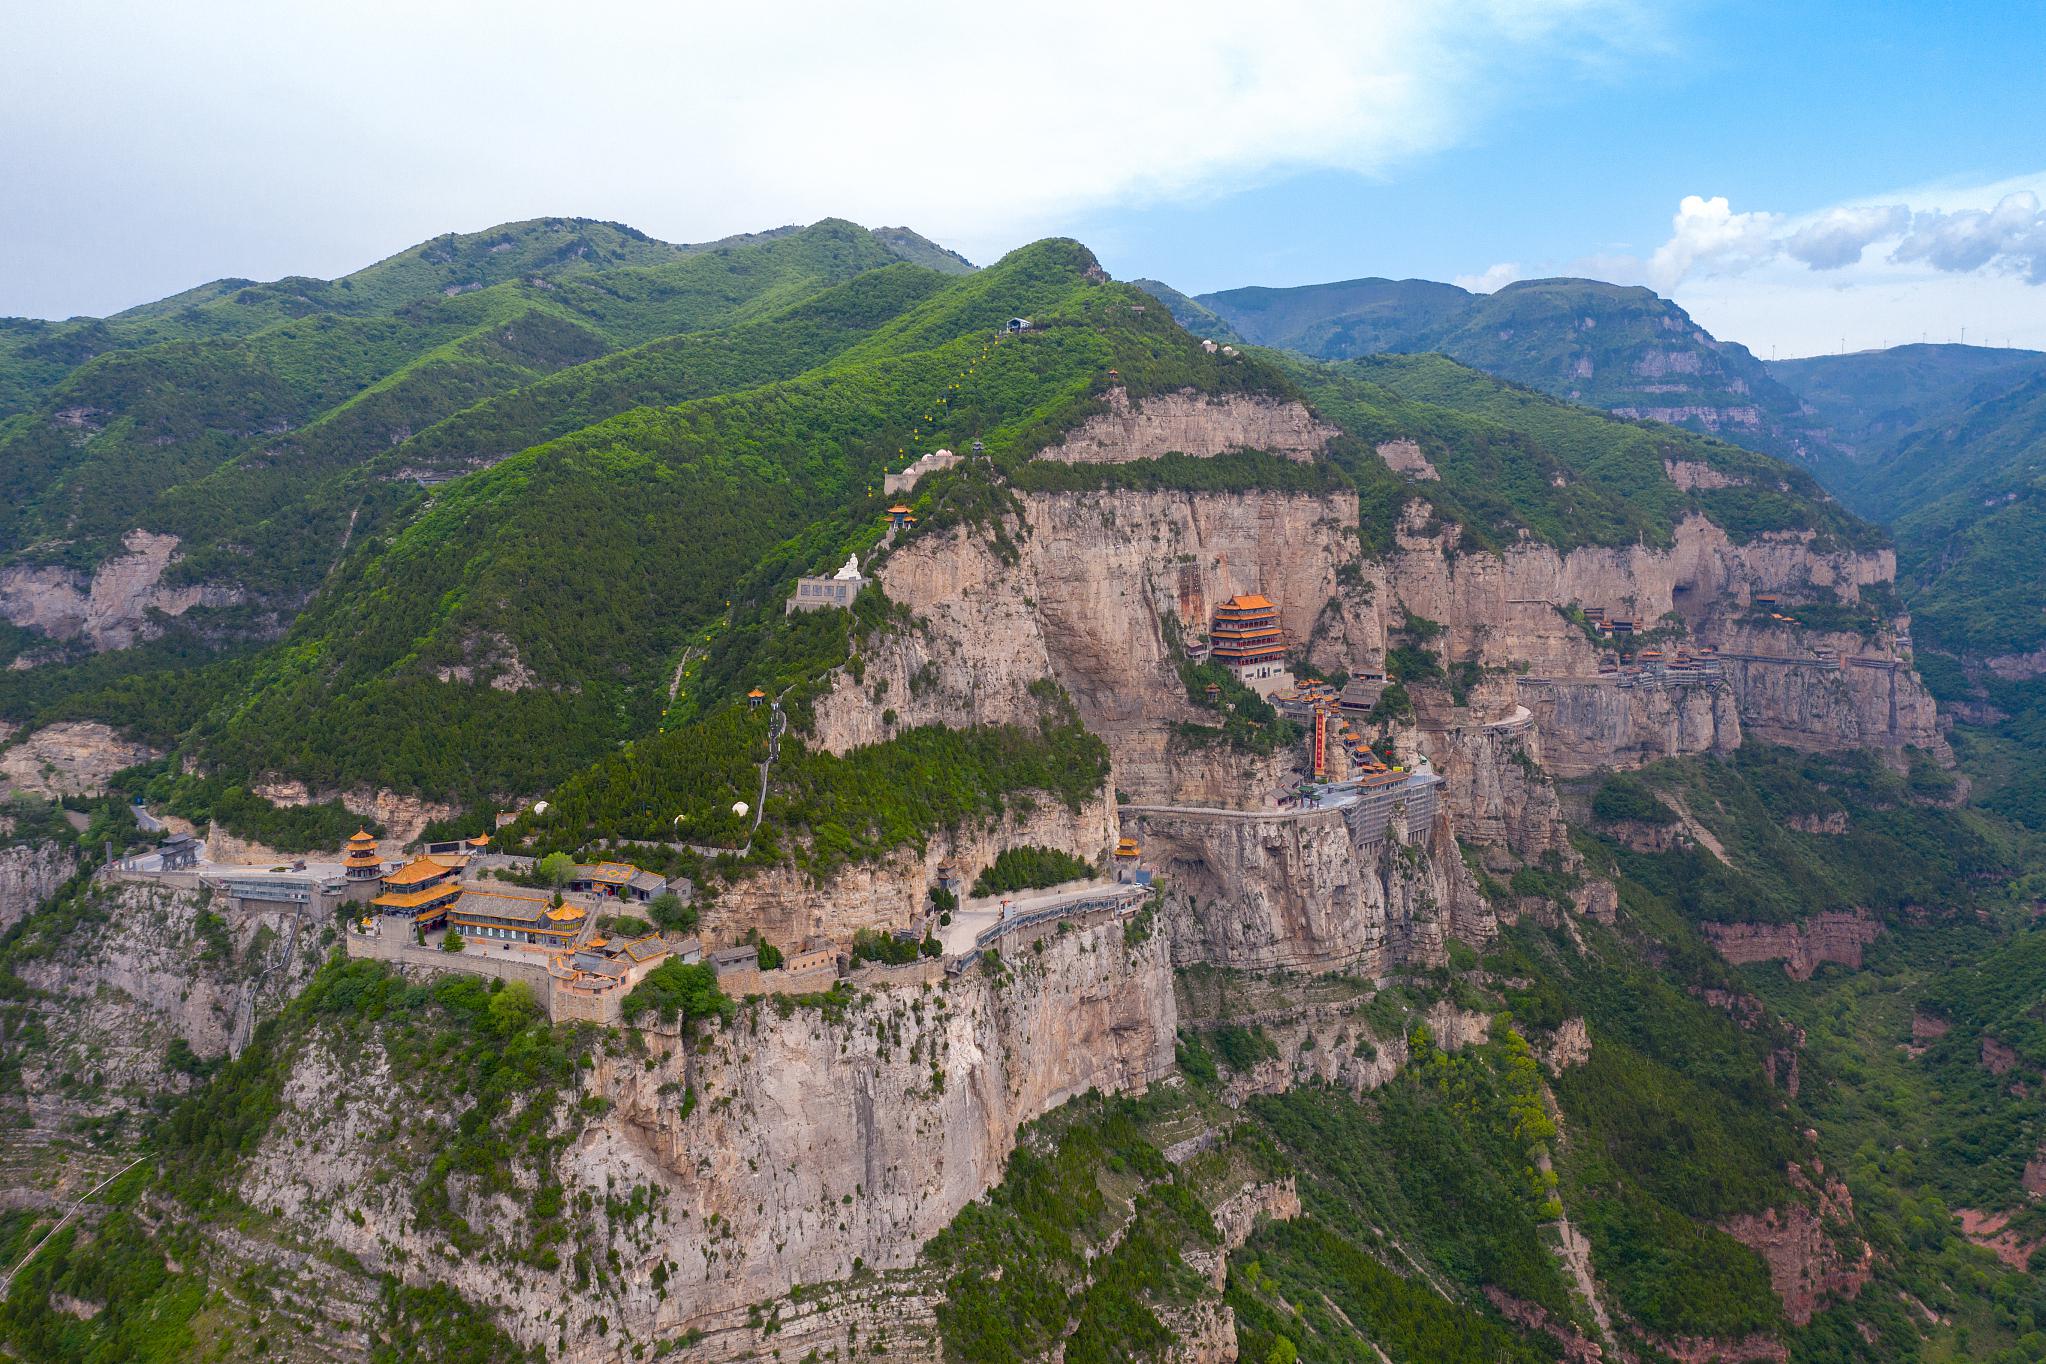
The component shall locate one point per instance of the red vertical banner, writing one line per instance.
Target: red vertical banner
(1320, 742)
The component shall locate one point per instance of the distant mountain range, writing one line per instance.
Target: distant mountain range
(1624, 350)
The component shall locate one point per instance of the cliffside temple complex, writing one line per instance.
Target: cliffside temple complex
(422, 890)
(521, 916)
(1247, 640)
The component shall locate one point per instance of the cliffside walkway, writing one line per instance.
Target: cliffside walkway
(1367, 807)
(974, 930)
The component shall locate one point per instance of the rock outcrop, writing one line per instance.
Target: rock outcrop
(158, 964)
(1191, 423)
(785, 906)
(403, 817)
(1593, 724)
(70, 758)
(795, 1146)
(110, 608)
(1299, 893)
(1833, 936)
(1100, 581)
(29, 874)
(1807, 1267)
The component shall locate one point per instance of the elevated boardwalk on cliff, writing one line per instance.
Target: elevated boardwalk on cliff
(1367, 807)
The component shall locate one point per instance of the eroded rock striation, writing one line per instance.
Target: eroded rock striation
(1192, 423)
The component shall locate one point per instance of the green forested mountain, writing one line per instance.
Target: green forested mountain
(535, 536)
(1870, 398)
(1624, 350)
(1510, 459)
(1949, 449)
(244, 420)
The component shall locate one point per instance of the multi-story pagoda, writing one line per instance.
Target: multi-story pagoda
(1246, 636)
(361, 861)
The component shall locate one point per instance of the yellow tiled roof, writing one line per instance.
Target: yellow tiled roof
(416, 899)
(417, 872)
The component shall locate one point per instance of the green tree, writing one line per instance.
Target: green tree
(451, 941)
(512, 1008)
(669, 914)
(675, 990)
(555, 869)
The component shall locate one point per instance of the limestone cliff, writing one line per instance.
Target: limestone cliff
(72, 757)
(143, 966)
(403, 817)
(1087, 604)
(1505, 610)
(111, 607)
(1497, 791)
(1191, 423)
(796, 1146)
(1299, 893)
(1591, 724)
(786, 906)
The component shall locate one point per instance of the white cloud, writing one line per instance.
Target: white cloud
(1837, 237)
(1492, 278)
(1706, 234)
(230, 129)
(2010, 237)
(1928, 262)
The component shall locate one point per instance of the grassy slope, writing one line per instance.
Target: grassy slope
(1502, 450)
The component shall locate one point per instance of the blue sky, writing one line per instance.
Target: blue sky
(1714, 151)
(1789, 106)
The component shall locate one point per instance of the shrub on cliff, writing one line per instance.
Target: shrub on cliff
(678, 990)
(1027, 868)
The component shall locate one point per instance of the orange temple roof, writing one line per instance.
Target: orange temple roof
(419, 871)
(1250, 601)
(361, 836)
(417, 899)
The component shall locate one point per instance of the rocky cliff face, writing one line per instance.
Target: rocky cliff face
(1099, 576)
(73, 757)
(1834, 936)
(110, 608)
(1298, 893)
(786, 906)
(147, 965)
(29, 874)
(1503, 611)
(403, 817)
(1497, 792)
(810, 1144)
(1191, 423)
(1807, 1266)
(1591, 724)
